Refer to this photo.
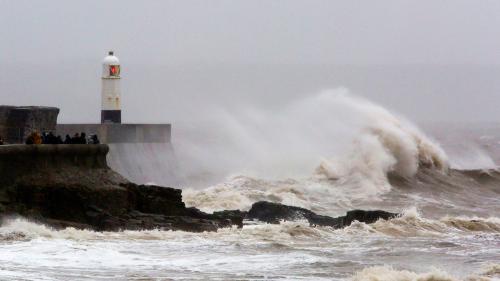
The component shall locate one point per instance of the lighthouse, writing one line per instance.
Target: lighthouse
(111, 129)
(110, 90)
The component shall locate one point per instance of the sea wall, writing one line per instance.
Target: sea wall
(58, 181)
(19, 157)
(19, 161)
(17, 122)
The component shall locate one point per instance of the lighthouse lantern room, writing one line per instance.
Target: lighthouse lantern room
(110, 90)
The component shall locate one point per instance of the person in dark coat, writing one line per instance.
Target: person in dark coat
(75, 139)
(1, 141)
(95, 139)
(51, 138)
(67, 140)
(83, 138)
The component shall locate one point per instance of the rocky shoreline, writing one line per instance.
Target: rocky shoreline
(72, 186)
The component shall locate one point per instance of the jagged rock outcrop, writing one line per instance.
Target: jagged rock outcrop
(71, 185)
(275, 212)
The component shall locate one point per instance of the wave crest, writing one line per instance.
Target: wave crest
(385, 145)
(411, 223)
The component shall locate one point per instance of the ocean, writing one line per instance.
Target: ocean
(331, 152)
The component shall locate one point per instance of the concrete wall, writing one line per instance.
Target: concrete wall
(120, 133)
(24, 160)
(16, 123)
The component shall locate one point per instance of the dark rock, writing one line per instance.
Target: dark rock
(326, 221)
(196, 213)
(155, 199)
(72, 185)
(235, 216)
(4, 197)
(61, 224)
(274, 212)
(367, 216)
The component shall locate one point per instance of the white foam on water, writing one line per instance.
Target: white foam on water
(287, 250)
(383, 273)
(387, 273)
(412, 224)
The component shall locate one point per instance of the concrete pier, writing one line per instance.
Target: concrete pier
(142, 153)
(120, 133)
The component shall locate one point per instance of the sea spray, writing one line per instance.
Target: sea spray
(339, 135)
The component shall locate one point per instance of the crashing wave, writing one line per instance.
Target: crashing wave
(412, 224)
(385, 145)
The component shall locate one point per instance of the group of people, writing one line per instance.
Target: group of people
(50, 138)
(81, 139)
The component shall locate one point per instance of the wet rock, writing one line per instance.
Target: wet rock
(274, 212)
(71, 185)
(155, 199)
(367, 216)
(225, 218)
(4, 198)
(235, 216)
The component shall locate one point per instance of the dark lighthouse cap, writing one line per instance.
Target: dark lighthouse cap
(111, 53)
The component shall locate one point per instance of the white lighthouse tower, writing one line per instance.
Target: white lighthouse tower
(110, 90)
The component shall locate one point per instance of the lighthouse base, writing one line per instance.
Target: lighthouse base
(111, 116)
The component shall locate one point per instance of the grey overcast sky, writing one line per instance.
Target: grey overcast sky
(441, 57)
(256, 31)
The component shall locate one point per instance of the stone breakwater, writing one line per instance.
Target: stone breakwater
(72, 185)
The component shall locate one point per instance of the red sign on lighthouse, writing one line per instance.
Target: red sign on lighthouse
(114, 70)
